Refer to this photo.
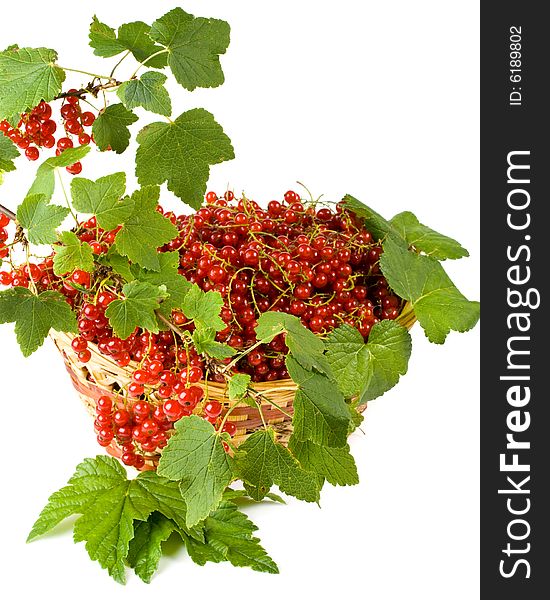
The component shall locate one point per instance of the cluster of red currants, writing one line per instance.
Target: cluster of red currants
(315, 263)
(5, 277)
(36, 129)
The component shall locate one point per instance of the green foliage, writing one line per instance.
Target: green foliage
(148, 92)
(320, 412)
(195, 457)
(103, 198)
(367, 370)
(181, 152)
(336, 465)
(40, 219)
(44, 182)
(204, 342)
(8, 153)
(110, 129)
(193, 45)
(27, 76)
(72, 254)
(35, 315)
(204, 308)
(437, 303)
(145, 230)
(261, 462)
(425, 239)
(109, 504)
(229, 537)
(136, 309)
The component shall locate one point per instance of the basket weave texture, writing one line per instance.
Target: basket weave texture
(101, 376)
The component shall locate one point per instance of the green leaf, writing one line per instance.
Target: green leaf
(168, 275)
(148, 92)
(205, 343)
(336, 465)
(137, 309)
(8, 153)
(195, 457)
(425, 239)
(131, 36)
(145, 549)
(103, 39)
(303, 344)
(261, 462)
(204, 308)
(229, 537)
(72, 254)
(367, 370)
(375, 223)
(103, 198)
(181, 153)
(40, 219)
(437, 303)
(194, 46)
(44, 182)
(111, 128)
(120, 264)
(145, 230)
(109, 504)
(28, 76)
(135, 37)
(34, 316)
(320, 413)
(238, 386)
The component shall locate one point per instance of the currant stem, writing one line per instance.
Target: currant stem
(95, 75)
(6, 211)
(67, 198)
(118, 63)
(142, 64)
(242, 355)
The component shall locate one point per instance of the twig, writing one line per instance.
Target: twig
(6, 211)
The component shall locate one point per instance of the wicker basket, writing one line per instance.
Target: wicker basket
(101, 376)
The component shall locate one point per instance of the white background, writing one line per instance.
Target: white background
(376, 99)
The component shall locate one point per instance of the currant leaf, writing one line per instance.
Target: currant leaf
(205, 343)
(375, 223)
(145, 549)
(437, 303)
(136, 37)
(148, 92)
(103, 39)
(35, 315)
(336, 465)
(108, 504)
(72, 254)
(238, 386)
(44, 182)
(204, 308)
(181, 152)
(103, 198)
(194, 46)
(425, 239)
(136, 309)
(261, 462)
(40, 219)
(367, 370)
(28, 76)
(168, 275)
(229, 537)
(8, 153)
(304, 345)
(320, 413)
(195, 457)
(145, 230)
(110, 129)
